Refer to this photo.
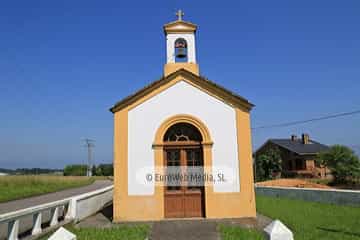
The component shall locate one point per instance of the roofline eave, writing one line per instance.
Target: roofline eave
(235, 99)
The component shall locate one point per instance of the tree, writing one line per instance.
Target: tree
(268, 164)
(93, 171)
(75, 170)
(342, 161)
(99, 172)
(105, 170)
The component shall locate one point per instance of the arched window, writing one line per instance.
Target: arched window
(181, 132)
(181, 50)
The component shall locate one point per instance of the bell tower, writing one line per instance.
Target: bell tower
(180, 46)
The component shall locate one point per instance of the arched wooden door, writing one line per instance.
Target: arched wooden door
(184, 197)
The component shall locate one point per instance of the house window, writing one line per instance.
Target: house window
(300, 164)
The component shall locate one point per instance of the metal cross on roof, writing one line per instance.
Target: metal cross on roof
(180, 14)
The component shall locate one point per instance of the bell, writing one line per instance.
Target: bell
(181, 53)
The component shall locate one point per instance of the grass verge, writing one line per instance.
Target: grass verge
(17, 187)
(313, 221)
(125, 232)
(237, 233)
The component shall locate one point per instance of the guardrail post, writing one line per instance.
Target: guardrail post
(13, 230)
(37, 220)
(71, 209)
(54, 216)
(62, 211)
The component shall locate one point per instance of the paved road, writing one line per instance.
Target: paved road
(50, 197)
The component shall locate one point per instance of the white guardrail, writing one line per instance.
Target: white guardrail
(70, 209)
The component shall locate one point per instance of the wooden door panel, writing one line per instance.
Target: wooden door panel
(174, 206)
(184, 201)
(194, 194)
(193, 205)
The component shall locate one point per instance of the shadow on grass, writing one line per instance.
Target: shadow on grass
(354, 234)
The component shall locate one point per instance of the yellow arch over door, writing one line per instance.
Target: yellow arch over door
(182, 118)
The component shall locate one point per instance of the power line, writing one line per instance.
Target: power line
(308, 120)
(89, 144)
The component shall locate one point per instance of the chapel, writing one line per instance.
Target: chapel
(182, 122)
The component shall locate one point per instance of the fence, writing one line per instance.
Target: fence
(71, 209)
(332, 196)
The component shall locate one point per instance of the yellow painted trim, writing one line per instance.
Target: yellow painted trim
(206, 143)
(179, 27)
(171, 83)
(182, 118)
(183, 74)
(243, 126)
(170, 68)
(120, 163)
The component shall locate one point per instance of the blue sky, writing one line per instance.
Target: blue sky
(64, 63)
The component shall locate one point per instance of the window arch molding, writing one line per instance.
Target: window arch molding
(182, 118)
(182, 132)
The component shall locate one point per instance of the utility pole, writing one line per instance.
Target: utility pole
(89, 144)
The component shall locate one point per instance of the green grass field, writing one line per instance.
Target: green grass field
(313, 221)
(307, 220)
(16, 187)
(136, 232)
(236, 233)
